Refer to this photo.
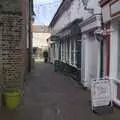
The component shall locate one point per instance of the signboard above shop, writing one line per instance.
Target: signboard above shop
(111, 10)
(115, 8)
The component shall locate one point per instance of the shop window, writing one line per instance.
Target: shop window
(68, 50)
(62, 51)
(65, 52)
(72, 52)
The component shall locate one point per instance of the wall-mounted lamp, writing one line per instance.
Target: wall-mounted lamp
(99, 34)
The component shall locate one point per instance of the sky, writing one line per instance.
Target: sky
(45, 10)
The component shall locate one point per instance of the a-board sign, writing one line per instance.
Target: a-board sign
(100, 93)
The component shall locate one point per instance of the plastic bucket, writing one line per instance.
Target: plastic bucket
(12, 98)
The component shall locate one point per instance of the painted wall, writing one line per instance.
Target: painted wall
(95, 5)
(40, 40)
(114, 55)
(75, 11)
(114, 45)
(114, 9)
(114, 49)
(90, 46)
(90, 49)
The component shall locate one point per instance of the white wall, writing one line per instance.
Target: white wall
(90, 50)
(75, 11)
(114, 56)
(114, 49)
(106, 12)
(56, 51)
(95, 4)
(40, 39)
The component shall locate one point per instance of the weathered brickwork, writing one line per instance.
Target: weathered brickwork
(12, 50)
(10, 5)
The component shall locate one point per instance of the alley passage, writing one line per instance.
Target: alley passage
(53, 96)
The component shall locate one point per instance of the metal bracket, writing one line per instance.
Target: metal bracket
(90, 10)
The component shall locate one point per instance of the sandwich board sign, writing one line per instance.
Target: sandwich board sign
(100, 93)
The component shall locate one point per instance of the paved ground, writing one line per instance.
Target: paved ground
(52, 96)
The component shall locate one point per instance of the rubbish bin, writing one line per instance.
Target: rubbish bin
(12, 98)
(57, 65)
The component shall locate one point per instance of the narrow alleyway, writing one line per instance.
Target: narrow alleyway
(52, 96)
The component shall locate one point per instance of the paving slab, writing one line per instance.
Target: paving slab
(53, 96)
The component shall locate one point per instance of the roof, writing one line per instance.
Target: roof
(40, 29)
(62, 8)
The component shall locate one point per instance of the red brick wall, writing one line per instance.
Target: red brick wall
(12, 50)
(13, 45)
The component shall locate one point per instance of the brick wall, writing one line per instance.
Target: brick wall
(12, 49)
(13, 41)
(10, 5)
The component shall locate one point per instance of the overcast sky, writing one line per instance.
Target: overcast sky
(45, 10)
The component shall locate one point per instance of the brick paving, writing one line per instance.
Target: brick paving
(53, 96)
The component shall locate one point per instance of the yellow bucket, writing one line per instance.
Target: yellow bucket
(12, 98)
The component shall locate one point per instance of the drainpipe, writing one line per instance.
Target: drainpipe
(101, 50)
(30, 40)
(101, 59)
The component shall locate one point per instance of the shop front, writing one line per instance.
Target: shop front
(111, 15)
(70, 49)
(90, 50)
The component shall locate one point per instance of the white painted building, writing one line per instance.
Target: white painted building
(75, 24)
(90, 64)
(40, 40)
(111, 16)
(40, 36)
